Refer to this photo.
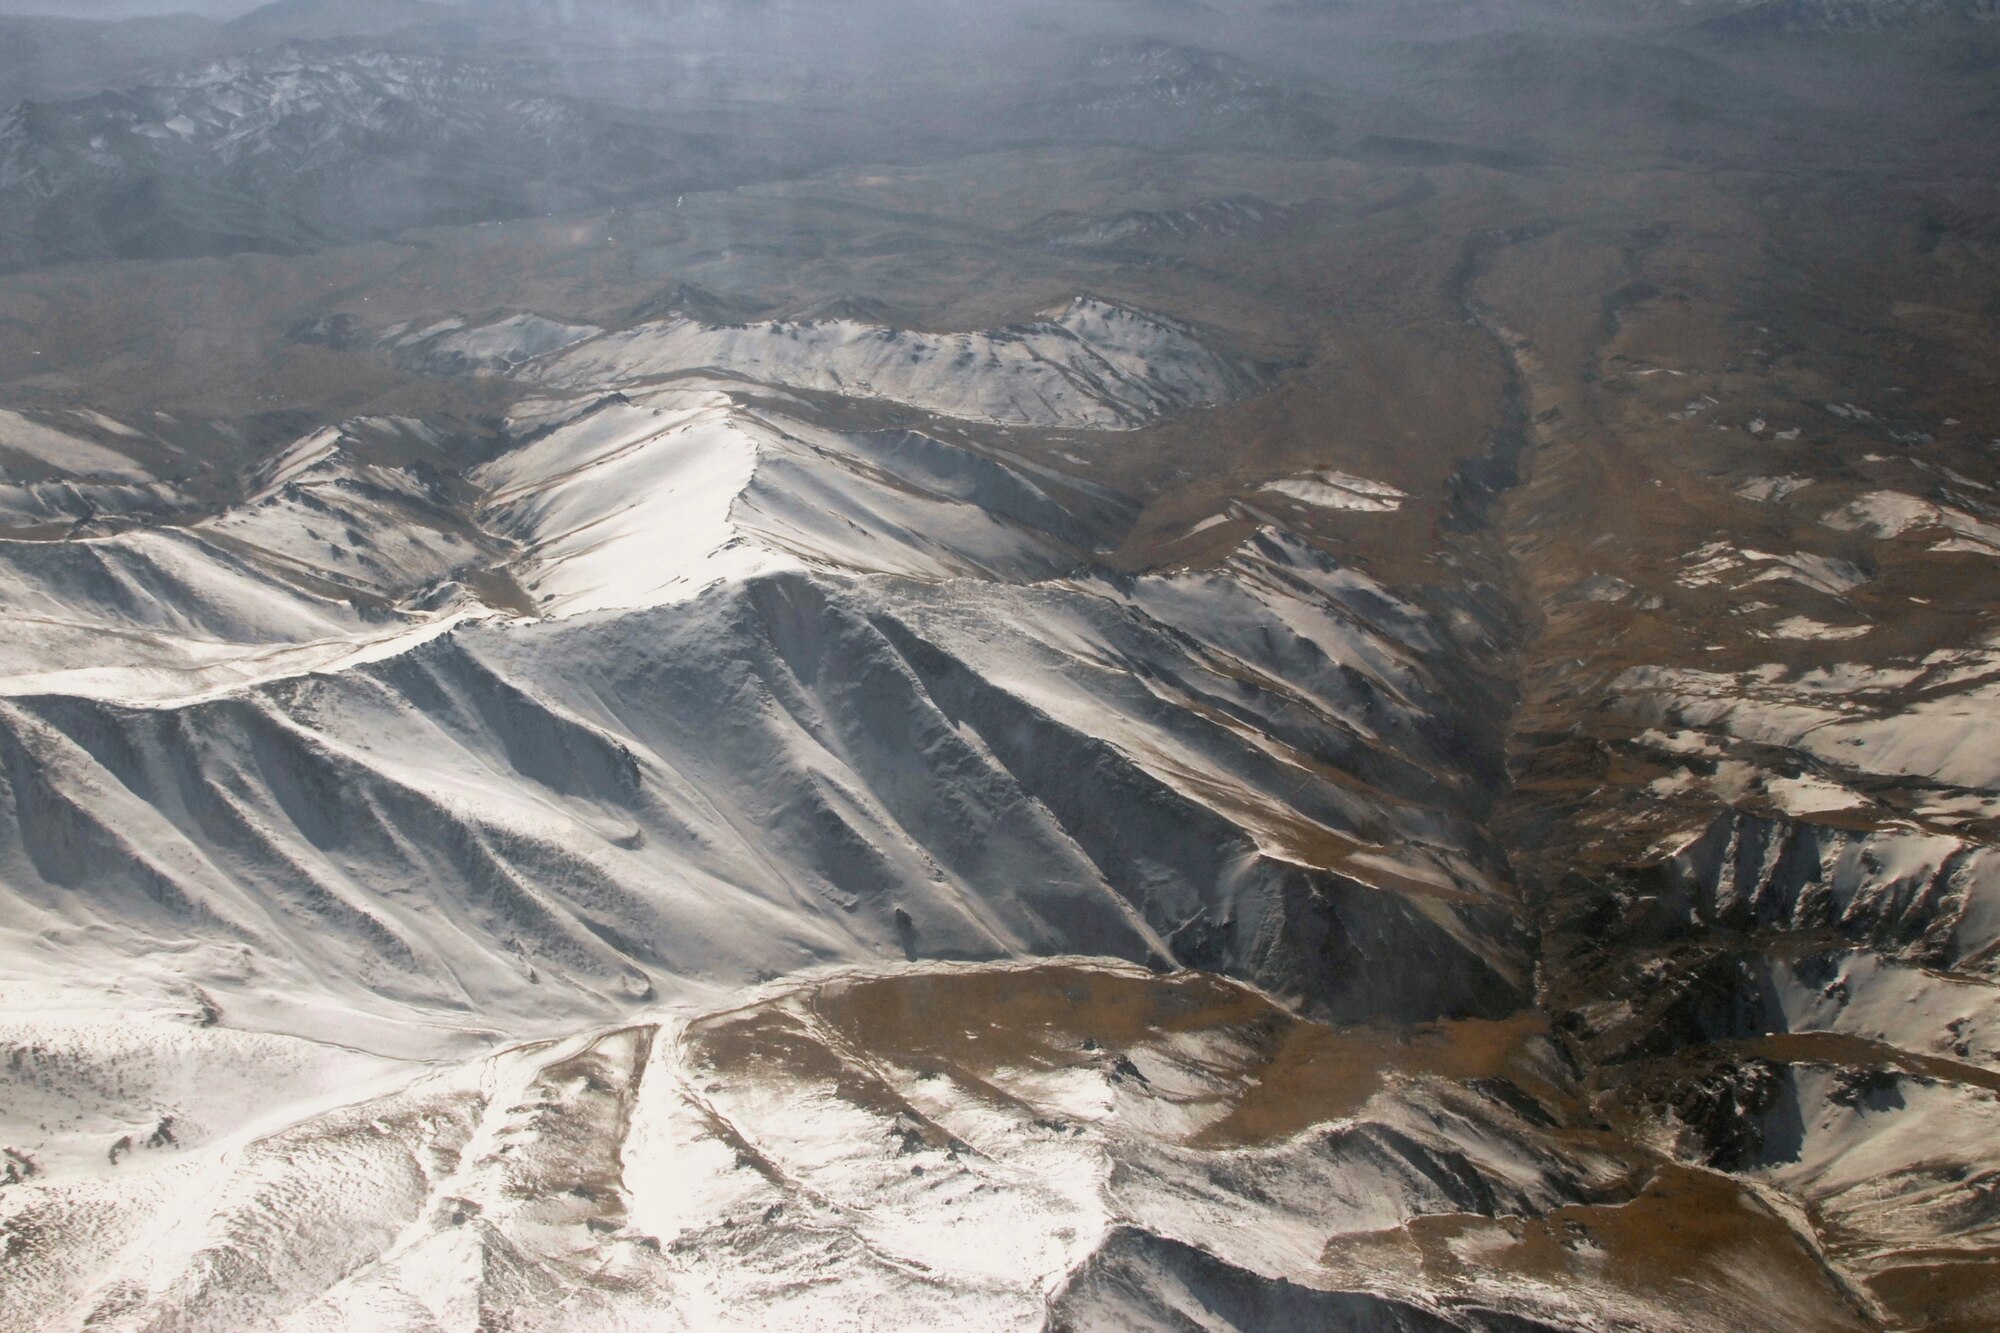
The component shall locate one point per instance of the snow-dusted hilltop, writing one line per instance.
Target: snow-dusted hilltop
(336, 545)
(1090, 365)
(619, 493)
(779, 771)
(646, 497)
(586, 733)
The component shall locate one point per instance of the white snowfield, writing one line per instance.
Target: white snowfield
(636, 500)
(1917, 897)
(1721, 563)
(1924, 895)
(1877, 1157)
(62, 468)
(536, 823)
(314, 566)
(457, 347)
(873, 1149)
(1089, 365)
(612, 499)
(1879, 999)
(1805, 627)
(1772, 490)
(1893, 513)
(64, 452)
(1938, 719)
(1920, 890)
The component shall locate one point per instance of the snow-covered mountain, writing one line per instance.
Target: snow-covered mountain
(1090, 365)
(941, 597)
(1074, 1145)
(349, 786)
(762, 696)
(1165, 666)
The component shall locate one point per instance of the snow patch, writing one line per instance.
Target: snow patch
(69, 454)
(1805, 627)
(1892, 513)
(1772, 490)
(1339, 490)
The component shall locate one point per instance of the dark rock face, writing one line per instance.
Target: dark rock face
(1137, 1279)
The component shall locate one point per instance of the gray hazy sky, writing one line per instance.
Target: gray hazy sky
(121, 9)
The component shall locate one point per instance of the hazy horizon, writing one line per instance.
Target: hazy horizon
(127, 9)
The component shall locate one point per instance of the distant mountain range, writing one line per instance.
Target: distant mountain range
(299, 147)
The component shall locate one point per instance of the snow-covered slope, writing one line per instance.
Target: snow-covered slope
(337, 546)
(797, 695)
(778, 772)
(635, 499)
(1425, 764)
(681, 690)
(1089, 365)
(357, 538)
(60, 470)
(1930, 721)
(457, 347)
(1071, 1146)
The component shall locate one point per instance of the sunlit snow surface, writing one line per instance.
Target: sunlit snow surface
(307, 569)
(999, 1147)
(612, 499)
(1338, 490)
(62, 450)
(1090, 364)
(461, 874)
